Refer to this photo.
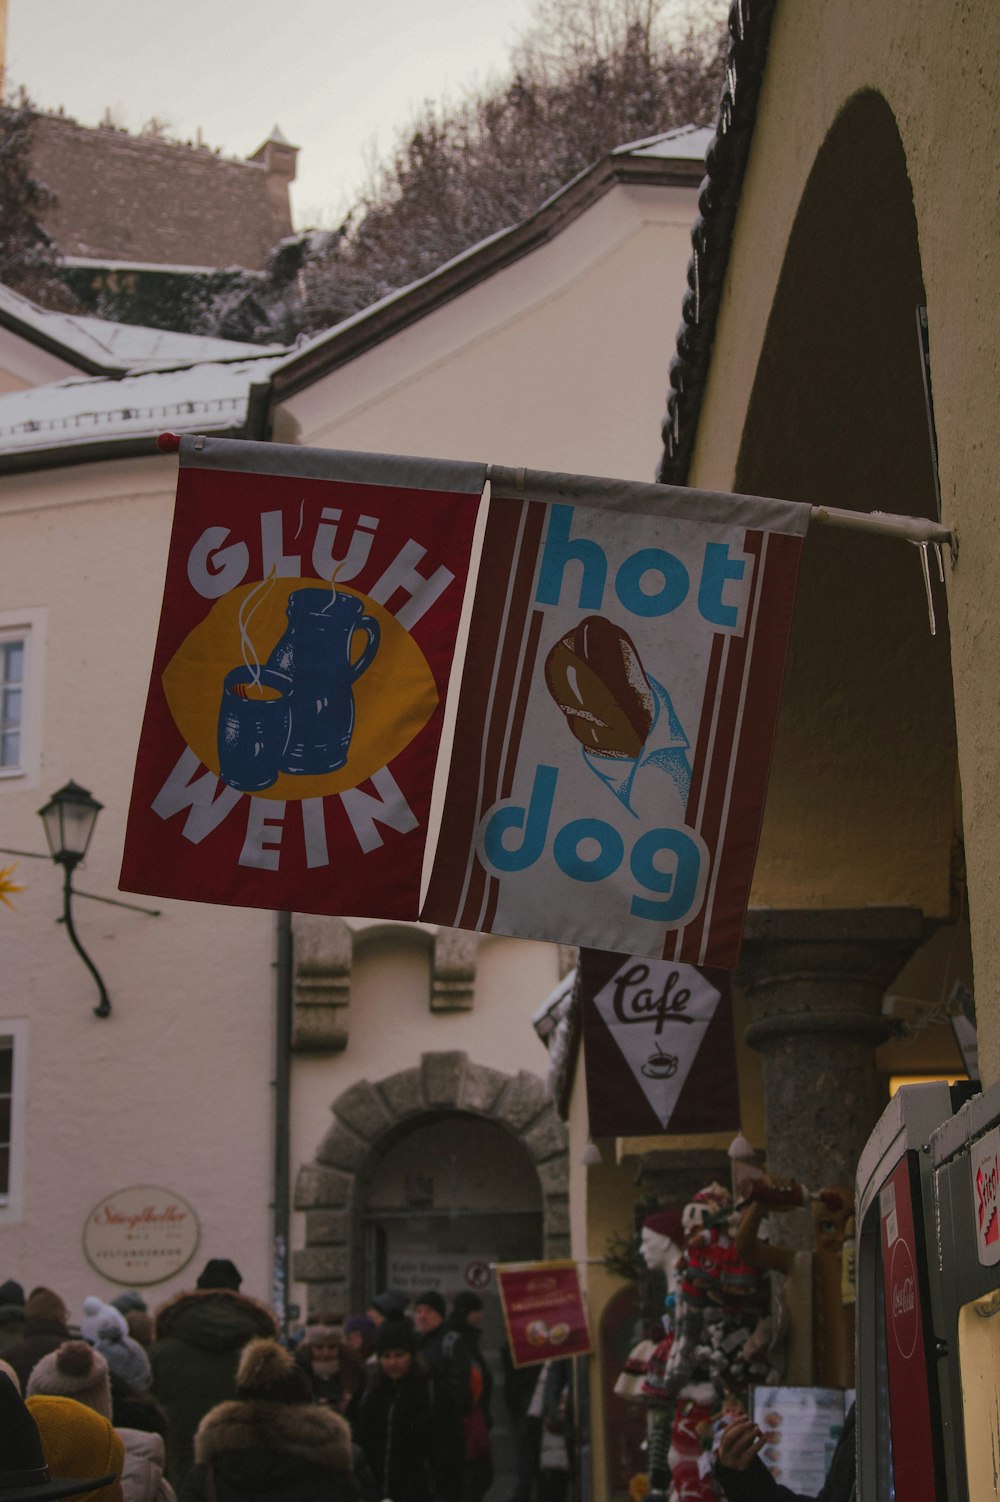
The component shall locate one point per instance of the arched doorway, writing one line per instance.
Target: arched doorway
(425, 1178)
(448, 1196)
(365, 1152)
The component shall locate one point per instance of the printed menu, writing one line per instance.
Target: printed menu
(802, 1425)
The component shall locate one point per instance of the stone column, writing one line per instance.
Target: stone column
(815, 981)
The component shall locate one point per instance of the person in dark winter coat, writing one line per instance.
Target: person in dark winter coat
(199, 1337)
(395, 1424)
(11, 1312)
(447, 1360)
(744, 1477)
(466, 1321)
(271, 1442)
(334, 1371)
(45, 1329)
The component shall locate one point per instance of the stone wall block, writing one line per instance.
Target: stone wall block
(316, 1187)
(340, 1148)
(403, 1092)
(316, 1264)
(327, 1227)
(556, 1247)
(523, 1100)
(556, 1216)
(327, 1301)
(453, 971)
(554, 1175)
(363, 1110)
(442, 1077)
(546, 1138)
(481, 1088)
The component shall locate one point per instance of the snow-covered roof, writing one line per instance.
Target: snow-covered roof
(649, 159)
(82, 412)
(685, 143)
(95, 344)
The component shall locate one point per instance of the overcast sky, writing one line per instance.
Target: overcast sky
(338, 76)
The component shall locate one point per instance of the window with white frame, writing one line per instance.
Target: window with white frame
(12, 661)
(13, 1089)
(21, 655)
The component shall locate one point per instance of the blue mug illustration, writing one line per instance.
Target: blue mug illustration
(254, 720)
(314, 660)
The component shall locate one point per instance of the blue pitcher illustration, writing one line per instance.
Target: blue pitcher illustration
(314, 657)
(308, 679)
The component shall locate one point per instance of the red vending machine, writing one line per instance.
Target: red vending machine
(901, 1446)
(928, 1273)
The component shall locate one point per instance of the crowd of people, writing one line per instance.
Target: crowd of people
(201, 1402)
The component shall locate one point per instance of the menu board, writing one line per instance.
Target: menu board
(802, 1425)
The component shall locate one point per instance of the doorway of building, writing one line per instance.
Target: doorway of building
(450, 1197)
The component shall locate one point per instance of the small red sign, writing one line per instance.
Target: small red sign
(544, 1311)
(909, 1394)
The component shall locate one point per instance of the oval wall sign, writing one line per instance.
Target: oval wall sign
(140, 1235)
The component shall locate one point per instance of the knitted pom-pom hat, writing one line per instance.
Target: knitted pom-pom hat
(97, 1313)
(269, 1373)
(76, 1371)
(125, 1357)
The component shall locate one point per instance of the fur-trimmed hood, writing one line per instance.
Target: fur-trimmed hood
(303, 1431)
(214, 1318)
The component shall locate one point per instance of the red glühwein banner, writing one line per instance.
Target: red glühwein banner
(310, 614)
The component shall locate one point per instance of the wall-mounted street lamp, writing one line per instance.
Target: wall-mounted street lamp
(69, 818)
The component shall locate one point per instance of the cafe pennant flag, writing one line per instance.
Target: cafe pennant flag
(309, 623)
(658, 1047)
(616, 717)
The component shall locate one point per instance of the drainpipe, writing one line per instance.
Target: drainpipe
(282, 1126)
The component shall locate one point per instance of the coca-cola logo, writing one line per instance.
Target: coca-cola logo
(903, 1300)
(987, 1181)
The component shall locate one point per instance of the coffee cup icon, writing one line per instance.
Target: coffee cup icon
(660, 1065)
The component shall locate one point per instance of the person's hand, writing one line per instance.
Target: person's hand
(741, 1441)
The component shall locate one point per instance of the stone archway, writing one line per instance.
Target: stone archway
(367, 1113)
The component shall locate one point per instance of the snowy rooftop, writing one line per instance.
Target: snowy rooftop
(685, 143)
(116, 346)
(688, 143)
(206, 398)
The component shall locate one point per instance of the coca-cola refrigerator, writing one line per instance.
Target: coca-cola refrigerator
(928, 1273)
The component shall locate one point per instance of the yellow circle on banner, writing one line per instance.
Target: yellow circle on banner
(394, 697)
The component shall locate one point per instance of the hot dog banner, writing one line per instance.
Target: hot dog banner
(658, 1045)
(617, 668)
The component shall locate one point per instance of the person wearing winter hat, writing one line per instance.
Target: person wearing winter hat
(219, 1272)
(74, 1370)
(25, 1475)
(128, 1301)
(334, 1371)
(359, 1332)
(125, 1357)
(199, 1336)
(271, 1442)
(11, 1312)
(396, 1425)
(77, 1442)
(390, 1304)
(140, 1327)
(447, 1360)
(45, 1329)
(466, 1320)
(96, 1312)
